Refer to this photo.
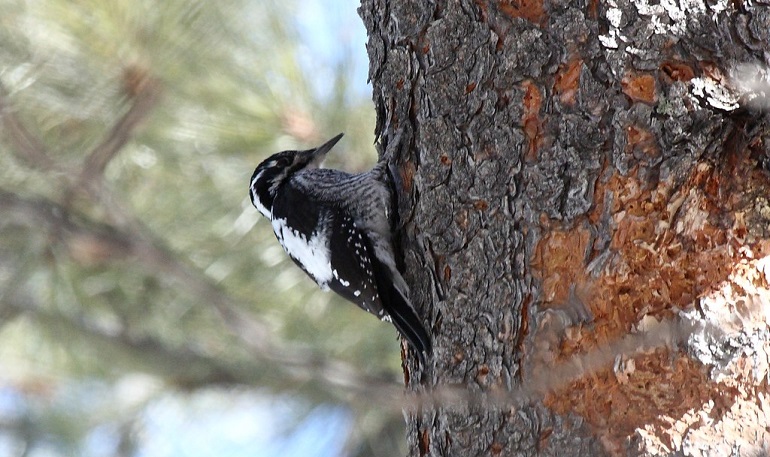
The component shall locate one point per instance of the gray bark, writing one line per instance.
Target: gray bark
(522, 128)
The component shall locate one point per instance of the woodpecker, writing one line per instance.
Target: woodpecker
(337, 227)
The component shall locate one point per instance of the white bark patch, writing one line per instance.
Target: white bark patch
(614, 16)
(715, 92)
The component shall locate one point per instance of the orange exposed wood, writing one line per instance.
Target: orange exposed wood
(407, 171)
(568, 81)
(424, 442)
(641, 140)
(677, 71)
(669, 247)
(531, 10)
(639, 87)
(559, 260)
(593, 9)
(533, 101)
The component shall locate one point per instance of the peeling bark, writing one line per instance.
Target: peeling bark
(573, 178)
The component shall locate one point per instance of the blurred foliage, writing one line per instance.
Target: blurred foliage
(129, 132)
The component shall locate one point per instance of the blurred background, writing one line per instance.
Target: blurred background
(146, 308)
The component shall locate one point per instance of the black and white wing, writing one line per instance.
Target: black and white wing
(360, 277)
(352, 270)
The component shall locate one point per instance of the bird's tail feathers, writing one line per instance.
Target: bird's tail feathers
(403, 315)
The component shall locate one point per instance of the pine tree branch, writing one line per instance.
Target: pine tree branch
(93, 242)
(145, 91)
(27, 147)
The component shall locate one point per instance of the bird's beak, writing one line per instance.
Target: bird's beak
(319, 153)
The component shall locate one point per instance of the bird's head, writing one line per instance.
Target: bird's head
(276, 169)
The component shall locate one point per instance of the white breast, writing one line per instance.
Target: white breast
(313, 254)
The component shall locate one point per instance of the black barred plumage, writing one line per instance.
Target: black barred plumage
(336, 227)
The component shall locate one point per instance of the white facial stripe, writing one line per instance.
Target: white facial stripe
(314, 254)
(260, 207)
(255, 197)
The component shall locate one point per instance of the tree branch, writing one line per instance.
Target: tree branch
(184, 366)
(145, 91)
(93, 242)
(27, 147)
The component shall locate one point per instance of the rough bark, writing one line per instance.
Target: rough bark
(584, 213)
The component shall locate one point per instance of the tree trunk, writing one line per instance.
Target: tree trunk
(583, 197)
